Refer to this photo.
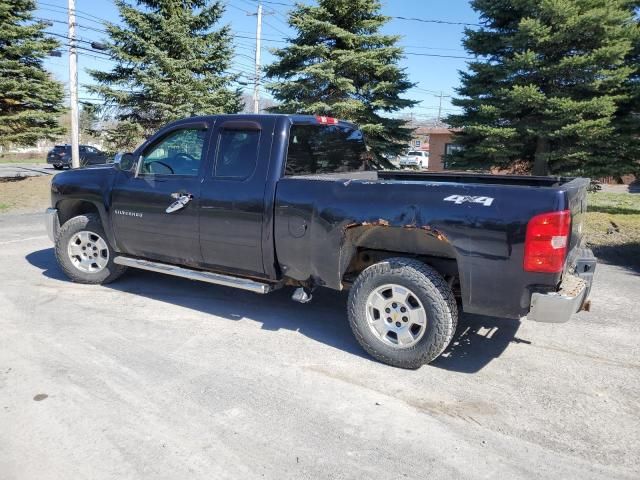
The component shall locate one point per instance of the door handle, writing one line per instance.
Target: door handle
(181, 201)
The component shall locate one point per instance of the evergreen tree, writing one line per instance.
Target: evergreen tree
(31, 101)
(171, 64)
(628, 115)
(125, 136)
(87, 120)
(550, 80)
(340, 65)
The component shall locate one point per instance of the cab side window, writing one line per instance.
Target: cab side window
(237, 153)
(178, 153)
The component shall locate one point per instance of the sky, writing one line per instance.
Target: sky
(429, 45)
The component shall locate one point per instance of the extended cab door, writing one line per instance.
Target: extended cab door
(232, 204)
(155, 210)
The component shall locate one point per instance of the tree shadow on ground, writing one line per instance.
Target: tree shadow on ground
(16, 178)
(478, 339)
(626, 255)
(612, 210)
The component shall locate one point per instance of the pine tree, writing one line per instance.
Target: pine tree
(340, 65)
(31, 101)
(628, 115)
(548, 83)
(88, 119)
(171, 64)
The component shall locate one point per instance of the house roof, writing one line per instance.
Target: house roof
(435, 131)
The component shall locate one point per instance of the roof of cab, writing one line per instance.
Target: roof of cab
(295, 118)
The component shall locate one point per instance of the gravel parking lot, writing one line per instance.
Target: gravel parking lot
(157, 377)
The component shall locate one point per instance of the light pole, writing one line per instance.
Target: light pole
(256, 87)
(73, 86)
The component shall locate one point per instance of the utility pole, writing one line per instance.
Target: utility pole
(440, 107)
(73, 86)
(256, 87)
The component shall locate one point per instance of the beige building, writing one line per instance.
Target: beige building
(438, 141)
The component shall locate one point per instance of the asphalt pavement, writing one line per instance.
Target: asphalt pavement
(163, 378)
(26, 169)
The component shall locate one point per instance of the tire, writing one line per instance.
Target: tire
(58, 167)
(428, 293)
(79, 269)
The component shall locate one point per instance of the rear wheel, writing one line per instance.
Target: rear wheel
(402, 312)
(83, 252)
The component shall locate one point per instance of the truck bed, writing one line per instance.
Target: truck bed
(445, 177)
(477, 220)
(478, 178)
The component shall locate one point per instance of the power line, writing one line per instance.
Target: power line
(77, 24)
(277, 3)
(63, 11)
(443, 22)
(105, 57)
(275, 16)
(238, 8)
(275, 28)
(410, 19)
(422, 47)
(75, 10)
(439, 56)
(66, 37)
(100, 30)
(253, 33)
(433, 92)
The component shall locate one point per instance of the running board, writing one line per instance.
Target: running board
(209, 277)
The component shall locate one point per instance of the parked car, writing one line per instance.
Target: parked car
(260, 202)
(414, 159)
(60, 156)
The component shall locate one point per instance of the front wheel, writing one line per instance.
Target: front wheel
(402, 312)
(83, 252)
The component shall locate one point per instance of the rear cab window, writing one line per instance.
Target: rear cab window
(317, 149)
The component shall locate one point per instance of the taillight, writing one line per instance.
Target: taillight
(545, 246)
(327, 120)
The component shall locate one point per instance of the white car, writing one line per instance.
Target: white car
(414, 159)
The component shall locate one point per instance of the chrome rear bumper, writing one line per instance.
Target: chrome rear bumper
(558, 307)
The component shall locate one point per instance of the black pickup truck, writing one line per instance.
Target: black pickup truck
(259, 202)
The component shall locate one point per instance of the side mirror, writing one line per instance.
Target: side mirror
(124, 161)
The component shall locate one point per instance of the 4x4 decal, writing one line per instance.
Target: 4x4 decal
(460, 199)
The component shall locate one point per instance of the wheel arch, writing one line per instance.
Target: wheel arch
(69, 208)
(365, 245)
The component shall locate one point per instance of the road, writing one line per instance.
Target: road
(157, 377)
(26, 169)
